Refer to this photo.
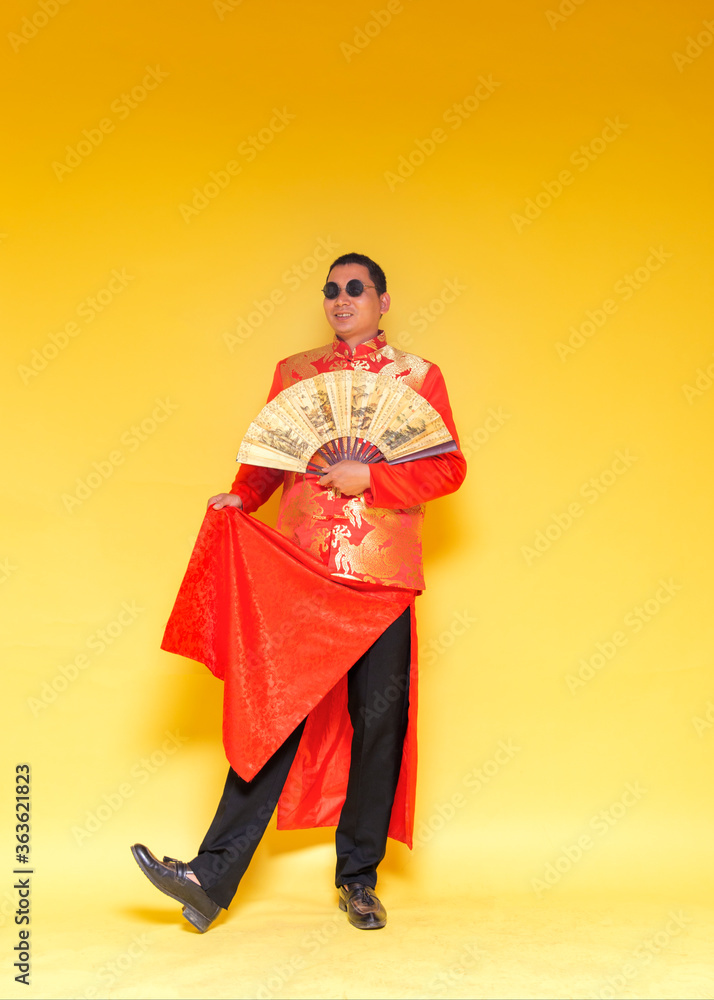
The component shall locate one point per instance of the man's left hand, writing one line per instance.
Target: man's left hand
(348, 477)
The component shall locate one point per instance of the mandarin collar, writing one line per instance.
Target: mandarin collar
(364, 350)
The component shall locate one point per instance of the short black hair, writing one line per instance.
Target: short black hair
(375, 271)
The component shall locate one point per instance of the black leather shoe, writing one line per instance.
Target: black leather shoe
(170, 877)
(363, 908)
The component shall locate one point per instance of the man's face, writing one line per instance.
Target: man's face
(355, 317)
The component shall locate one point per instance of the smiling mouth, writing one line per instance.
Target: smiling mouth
(343, 315)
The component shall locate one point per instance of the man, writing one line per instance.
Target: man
(363, 522)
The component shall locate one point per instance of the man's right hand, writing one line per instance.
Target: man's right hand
(225, 500)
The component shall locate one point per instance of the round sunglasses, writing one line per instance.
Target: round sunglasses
(354, 288)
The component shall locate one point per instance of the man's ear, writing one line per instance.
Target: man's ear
(385, 302)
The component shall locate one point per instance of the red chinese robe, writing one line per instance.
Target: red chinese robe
(282, 615)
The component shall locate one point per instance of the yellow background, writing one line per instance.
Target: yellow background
(504, 627)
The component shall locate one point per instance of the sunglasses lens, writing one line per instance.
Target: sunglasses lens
(354, 287)
(331, 290)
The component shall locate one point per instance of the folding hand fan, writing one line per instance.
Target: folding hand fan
(365, 416)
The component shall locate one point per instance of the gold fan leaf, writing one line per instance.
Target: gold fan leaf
(348, 408)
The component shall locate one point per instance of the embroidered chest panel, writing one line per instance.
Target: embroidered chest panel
(390, 360)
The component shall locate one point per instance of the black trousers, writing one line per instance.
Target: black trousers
(378, 701)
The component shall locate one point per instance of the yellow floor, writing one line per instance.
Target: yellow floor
(285, 937)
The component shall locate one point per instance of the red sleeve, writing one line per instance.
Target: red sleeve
(253, 483)
(412, 483)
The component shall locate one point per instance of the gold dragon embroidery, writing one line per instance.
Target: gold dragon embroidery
(381, 552)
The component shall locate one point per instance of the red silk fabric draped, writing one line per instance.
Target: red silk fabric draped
(269, 620)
